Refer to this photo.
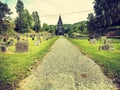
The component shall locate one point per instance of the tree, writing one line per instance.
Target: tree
(7, 28)
(4, 10)
(19, 7)
(52, 29)
(36, 21)
(45, 27)
(67, 28)
(28, 19)
(24, 20)
(91, 23)
(107, 14)
(4, 19)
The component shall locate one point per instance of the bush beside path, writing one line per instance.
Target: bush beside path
(66, 68)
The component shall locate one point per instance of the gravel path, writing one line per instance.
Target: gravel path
(65, 68)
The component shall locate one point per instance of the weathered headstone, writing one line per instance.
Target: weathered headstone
(30, 36)
(39, 39)
(33, 38)
(37, 42)
(0, 38)
(106, 47)
(111, 48)
(5, 39)
(46, 38)
(27, 35)
(9, 43)
(18, 38)
(3, 48)
(108, 41)
(92, 41)
(21, 46)
(103, 38)
(38, 35)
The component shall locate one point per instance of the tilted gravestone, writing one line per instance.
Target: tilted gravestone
(21, 46)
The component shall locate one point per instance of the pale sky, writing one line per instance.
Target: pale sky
(49, 10)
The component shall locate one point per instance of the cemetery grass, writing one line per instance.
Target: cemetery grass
(16, 66)
(108, 60)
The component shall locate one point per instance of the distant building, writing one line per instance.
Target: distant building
(60, 29)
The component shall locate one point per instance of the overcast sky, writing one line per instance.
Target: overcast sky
(49, 10)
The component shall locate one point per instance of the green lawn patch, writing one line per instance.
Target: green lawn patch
(16, 66)
(108, 60)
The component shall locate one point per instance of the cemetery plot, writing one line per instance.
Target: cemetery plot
(107, 44)
(23, 42)
(16, 66)
(65, 68)
(104, 42)
(108, 58)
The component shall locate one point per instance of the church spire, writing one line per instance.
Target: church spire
(60, 19)
(60, 30)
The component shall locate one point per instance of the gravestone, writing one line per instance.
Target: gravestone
(5, 39)
(0, 38)
(39, 39)
(30, 35)
(106, 47)
(21, 46)
(27, 35)
(3, 48)
(38, 35)
(1, 44)
(18, 38)
(33, 38)
(15, 37)
(10, 43)
(108, 41)
(92, 41)
(37, 42)
(46, 38)
(111, 48)
(103, 38)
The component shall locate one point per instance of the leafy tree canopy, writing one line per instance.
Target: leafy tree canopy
(4, 10)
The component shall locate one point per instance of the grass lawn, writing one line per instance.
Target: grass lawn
(108, 60)
(16, 66)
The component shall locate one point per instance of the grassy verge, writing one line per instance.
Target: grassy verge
(108, 60)
(16, 66)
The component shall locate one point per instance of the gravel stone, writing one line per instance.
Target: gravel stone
(66, 68)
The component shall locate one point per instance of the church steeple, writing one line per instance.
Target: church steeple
(60, 19)
(60, 30)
